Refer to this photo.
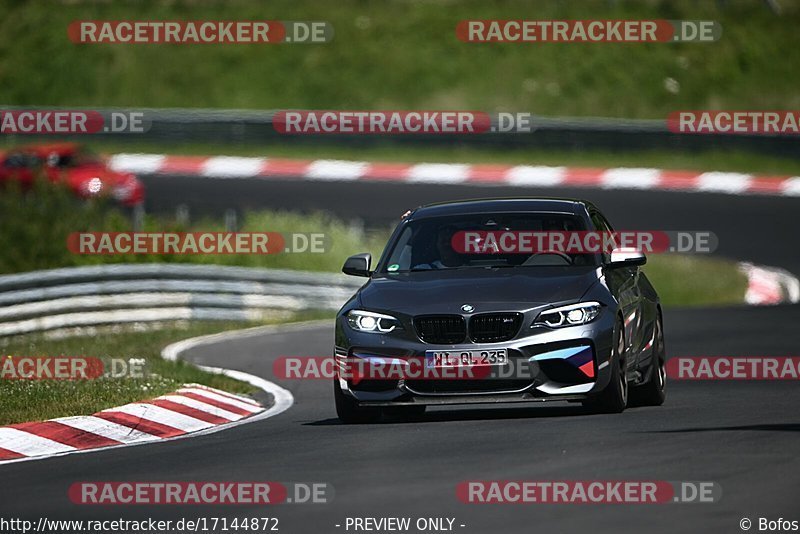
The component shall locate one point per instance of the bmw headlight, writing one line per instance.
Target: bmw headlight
(365, 321)
(571, 315)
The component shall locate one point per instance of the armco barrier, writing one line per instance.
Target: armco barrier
(124, 293)
(548, 133)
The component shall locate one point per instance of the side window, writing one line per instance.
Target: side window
(601, 225)
(401, 254)
(606, 223)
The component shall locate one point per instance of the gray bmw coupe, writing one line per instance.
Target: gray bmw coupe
(448, 316)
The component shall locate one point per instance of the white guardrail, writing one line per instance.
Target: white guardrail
(127, 293)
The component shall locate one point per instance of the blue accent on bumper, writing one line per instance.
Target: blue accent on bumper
(576, 356)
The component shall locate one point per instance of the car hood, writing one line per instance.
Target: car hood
(485, 289)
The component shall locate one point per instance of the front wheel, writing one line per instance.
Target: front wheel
(348, 410)
(654, 391)
(614, 398)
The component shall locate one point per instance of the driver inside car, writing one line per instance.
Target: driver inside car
(447, 258)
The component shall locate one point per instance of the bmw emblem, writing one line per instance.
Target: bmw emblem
(468, 308)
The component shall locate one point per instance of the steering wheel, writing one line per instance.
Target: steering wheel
(562, 255)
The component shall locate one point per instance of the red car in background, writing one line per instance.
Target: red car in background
(84, 172)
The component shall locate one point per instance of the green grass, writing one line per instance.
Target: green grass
(34, 400)
(683, 280)
(402, 54)
(35, 226)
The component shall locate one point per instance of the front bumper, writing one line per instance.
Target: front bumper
(545, 364)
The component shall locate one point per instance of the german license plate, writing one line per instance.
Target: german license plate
(465, 358)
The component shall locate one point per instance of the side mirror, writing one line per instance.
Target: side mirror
(358, 265)
(627, 257)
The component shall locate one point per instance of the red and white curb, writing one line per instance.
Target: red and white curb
(456, 173)
(193, 410)
(769, 285)
(189, 409)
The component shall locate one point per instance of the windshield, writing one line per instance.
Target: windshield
(460, 242)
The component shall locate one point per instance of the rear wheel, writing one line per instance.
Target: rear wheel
(654, 391)
(614, 398)
(348, 410)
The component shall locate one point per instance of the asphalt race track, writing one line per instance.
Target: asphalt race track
(741, 435)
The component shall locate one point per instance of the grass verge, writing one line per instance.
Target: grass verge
(682, 280)
(35, 226)
(35, 400)
(402, 54)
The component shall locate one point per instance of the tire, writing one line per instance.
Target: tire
(654, 391)
(348, 410)
(405, 413)
(614, 398)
